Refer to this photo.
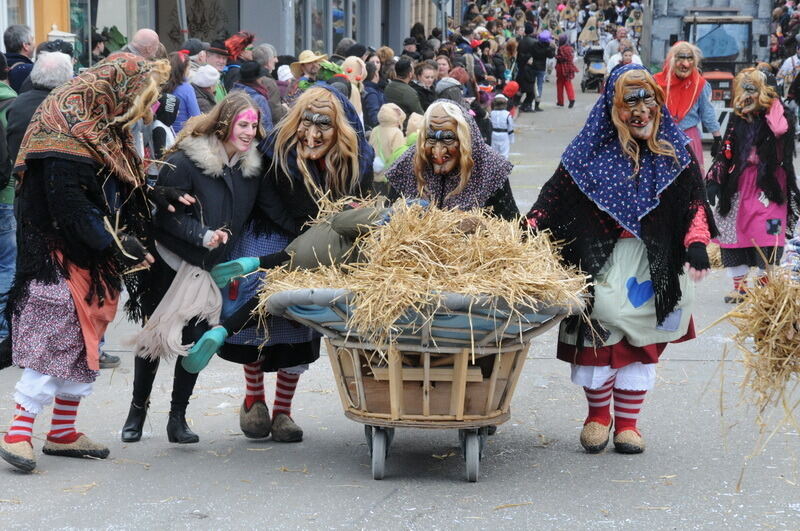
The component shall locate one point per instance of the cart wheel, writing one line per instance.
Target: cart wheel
(378, 453)
(389, 439)
(472, 456)
(368, 436)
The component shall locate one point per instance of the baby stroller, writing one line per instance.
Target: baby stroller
(594, 69)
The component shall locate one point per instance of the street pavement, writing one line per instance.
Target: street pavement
(534, 474)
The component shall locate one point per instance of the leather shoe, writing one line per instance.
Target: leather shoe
(134, 424)
(178, 431)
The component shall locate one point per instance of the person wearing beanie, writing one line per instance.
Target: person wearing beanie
(502, 126)
(450, 88)
(286, 83)
(204, 81)
(357, 50)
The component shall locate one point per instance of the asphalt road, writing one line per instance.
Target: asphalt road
(534, 474)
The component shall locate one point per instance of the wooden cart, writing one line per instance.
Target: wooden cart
(457, 370)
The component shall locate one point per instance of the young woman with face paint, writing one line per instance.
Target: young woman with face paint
(319, 148)
(628, 200)
(752, 182)
(215, 160)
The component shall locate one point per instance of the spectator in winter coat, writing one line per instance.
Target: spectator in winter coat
(398, 90)
(50, 71)
(249, 74)
(204, 80)
(542, 51)
(372, 99)
(425, 74)
(18, 40)
(182, 89)
(266, 55)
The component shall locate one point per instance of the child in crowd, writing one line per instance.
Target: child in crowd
(502, 126)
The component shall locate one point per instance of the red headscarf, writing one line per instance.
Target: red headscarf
(681, 94)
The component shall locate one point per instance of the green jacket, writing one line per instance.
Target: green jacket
(404, 96)
(7, 95)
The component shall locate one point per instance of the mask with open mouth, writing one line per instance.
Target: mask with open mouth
(638, 111)
(442, 143)
(751, 94)
(316, 132)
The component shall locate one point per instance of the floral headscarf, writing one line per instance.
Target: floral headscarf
(76, 120)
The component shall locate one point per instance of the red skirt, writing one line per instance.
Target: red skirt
(619, 354)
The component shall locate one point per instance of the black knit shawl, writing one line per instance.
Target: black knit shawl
(772, 153)
(589, 234)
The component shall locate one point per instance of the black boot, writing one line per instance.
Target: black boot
(177, 429)
(571, 103)
(536, 107)
(134, 424)
(144, 373)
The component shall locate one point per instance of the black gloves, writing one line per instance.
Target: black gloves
(132, 252)
(164, 196)
(697, 256)
(715, 146)
(274, 260)
(713, 190)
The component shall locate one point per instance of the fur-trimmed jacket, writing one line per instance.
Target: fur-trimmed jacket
(226, 196)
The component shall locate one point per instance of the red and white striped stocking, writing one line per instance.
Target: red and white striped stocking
(21, 428)
(599, 401)
(285, 386)
(254, 384)
(627, 405)
(62, 428)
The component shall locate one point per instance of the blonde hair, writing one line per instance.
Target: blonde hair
(466, 163)
(765, 93)
(639, 79)
(341, 160)
(219, 121)
(140, 108)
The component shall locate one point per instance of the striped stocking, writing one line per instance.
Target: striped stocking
(285, 384)
(62, 428)
(600, 403)
(254, 382)
(627, 405)
(21, 428)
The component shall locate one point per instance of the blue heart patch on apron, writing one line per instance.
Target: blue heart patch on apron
(639, 293)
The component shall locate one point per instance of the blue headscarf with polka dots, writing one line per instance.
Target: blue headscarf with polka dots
(603, 171)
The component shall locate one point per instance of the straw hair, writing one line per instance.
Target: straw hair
(639, 79)
(140, 109)
(765, 93)
(465, 164)
(421, 252)
(341, 161)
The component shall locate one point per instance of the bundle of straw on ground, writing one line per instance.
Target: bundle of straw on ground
(423, 251)
(770, 316)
